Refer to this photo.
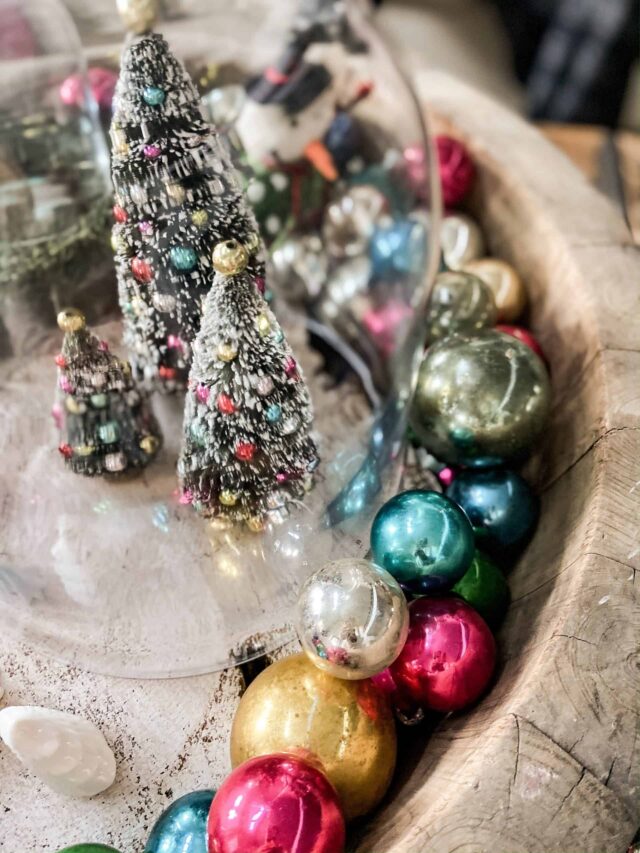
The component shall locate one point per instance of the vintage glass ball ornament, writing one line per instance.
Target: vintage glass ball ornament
(480, 401)
(276, 803)
(459, 303)
(300, 264)
(350, 221)
(449, 657)
(500, 505)
(506, 285)
(345, 727)
(352, 618)
(423, 539)
(71, 320)
(461, 240)
(89, 848)
(457, 171)
(397, 248)
(485, 588)
(526, 337)
(182, 826)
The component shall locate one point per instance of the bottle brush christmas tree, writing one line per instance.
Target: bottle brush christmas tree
(247, 450)
(106, 424)
(177, 196)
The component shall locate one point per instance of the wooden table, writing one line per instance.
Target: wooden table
(584, 145)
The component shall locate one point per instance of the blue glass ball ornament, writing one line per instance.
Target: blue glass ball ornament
(424, 540)
(153, 96)
(398, 249)
(182, 827)
(343, 138)
(184, 258)
(501, 507)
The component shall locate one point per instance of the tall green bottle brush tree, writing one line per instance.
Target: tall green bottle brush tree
(177, 196)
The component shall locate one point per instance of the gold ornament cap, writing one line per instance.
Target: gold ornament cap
(230, 257)
(138, 16)
(71, 320)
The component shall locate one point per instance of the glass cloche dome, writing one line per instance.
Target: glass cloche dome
(122, 575)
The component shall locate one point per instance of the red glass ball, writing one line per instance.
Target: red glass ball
(119, 213)
(245, 451)
(225, 404)
(449, 656)
(525, 336)
(275, 803)
(141, 270)
(456, 170)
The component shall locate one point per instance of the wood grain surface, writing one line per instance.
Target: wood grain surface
(548, 762)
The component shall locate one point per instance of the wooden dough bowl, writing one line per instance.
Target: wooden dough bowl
(548, 761)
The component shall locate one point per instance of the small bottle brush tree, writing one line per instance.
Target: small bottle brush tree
(247, 449)
(177, 196)
(106, 424)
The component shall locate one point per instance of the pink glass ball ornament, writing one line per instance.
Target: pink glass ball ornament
(276, 803)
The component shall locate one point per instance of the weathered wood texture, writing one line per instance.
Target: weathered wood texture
(548, 762)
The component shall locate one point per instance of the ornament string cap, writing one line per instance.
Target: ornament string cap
(71, 320)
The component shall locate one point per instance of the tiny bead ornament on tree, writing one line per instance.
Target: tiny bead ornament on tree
(424, 540)
(238, 461)
(276, 804)
(352, 618)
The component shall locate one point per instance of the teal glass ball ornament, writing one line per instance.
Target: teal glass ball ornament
(182, 827)
(459, 303)
(501, 506)
(481, 400)
(424, 540)
(485, 588)
(184, 258)
(153, 96)
(89, 848)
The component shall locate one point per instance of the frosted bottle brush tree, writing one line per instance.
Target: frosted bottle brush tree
(177, 196)
(247, 450)
(105, 421)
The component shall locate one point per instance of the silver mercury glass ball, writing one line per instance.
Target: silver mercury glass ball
(350, 220)
(459, 303)
(461, 240)
(352, 618)
(300, 267)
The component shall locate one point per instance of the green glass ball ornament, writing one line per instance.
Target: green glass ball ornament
(501, 506)
(424, 540)
(485, 588)
(459, 303)
(480, 400)
(89, 848)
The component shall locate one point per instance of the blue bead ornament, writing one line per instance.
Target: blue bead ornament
(398, 250)
(184, 258)
(182, 827)
(274, 413)
(153, 96)
(501, 507)
(424, 540)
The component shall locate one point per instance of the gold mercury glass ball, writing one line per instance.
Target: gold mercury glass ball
(229, 257)
(227, 352)
(71, 320)
(508, 288)
(255, 524)
(138, 15)
(345, 728)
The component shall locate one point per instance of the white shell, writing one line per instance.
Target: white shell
(68, 753)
